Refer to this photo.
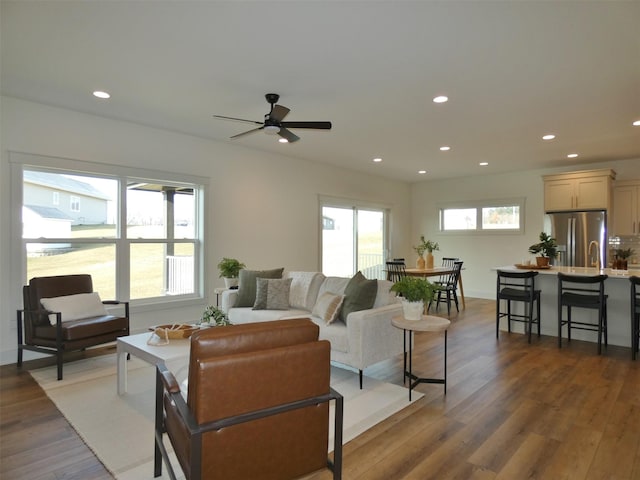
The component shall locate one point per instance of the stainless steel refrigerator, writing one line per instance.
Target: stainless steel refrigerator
(574, 232)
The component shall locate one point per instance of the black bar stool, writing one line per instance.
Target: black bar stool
(518, 287)
(635, 316)
(582, 292)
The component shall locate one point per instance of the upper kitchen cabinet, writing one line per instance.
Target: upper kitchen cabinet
(585, 190)
(626, 208)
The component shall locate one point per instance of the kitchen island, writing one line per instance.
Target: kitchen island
(617, 287)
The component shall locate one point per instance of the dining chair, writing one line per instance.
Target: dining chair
(447, 292)
(447, 262)
(395, 270)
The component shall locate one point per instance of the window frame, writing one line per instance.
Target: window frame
(20, 161)
(355, 206)
(478, 206)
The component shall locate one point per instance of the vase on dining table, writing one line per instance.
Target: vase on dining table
(420, 262)
(429, 261)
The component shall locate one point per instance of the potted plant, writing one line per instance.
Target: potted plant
(229, 270)
(214, 316)
(425, 246)
(620, 262)
(544, 250)
(415, 292)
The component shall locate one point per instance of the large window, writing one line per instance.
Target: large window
(494, 215)
(140, 238)
(353, 238)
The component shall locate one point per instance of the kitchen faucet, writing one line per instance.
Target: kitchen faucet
(597, 262)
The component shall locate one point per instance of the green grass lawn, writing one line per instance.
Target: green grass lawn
(147, 264)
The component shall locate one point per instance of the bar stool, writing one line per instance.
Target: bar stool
(635, 316)
(518, 287)
(582, 292)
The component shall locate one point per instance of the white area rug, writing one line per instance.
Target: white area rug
(119, 429)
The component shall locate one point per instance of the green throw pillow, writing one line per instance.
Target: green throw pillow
(359, 294)
(247, 284)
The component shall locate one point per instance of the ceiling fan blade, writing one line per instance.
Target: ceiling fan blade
(279, 112)
(289, 135)
(237, 119)
(318, 125)
(247, 132)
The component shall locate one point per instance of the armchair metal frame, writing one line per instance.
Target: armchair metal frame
(35, 332)
(165, 381)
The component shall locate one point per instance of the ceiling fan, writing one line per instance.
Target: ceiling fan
(273, 124)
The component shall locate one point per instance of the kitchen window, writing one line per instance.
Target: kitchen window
(483, 216)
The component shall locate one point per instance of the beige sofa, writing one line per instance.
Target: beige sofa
(368, 336)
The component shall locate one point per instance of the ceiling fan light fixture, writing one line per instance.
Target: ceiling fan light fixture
(271, 129)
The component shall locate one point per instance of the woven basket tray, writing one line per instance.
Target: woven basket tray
(175, 330)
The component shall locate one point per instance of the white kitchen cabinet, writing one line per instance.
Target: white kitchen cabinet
(626, 208)
(585, 190)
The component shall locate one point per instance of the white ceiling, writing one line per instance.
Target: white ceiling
(513, 70)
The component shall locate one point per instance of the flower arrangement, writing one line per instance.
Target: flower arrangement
(213, 315)
(426, 245)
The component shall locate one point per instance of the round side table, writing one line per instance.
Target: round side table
(428, 323)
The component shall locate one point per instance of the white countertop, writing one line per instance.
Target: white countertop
(624, 274)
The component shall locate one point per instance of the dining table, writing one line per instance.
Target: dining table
(434, 272)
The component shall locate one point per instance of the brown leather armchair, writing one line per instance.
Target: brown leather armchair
(36, 333)
(257, 405)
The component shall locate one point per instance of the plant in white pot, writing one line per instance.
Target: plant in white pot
(214, 316)
(415, 292)
(229, 270)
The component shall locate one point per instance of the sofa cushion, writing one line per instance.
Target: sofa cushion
(385, 296)
(360, 294)
(304, 289)
(327, 307)
(334, 285)
(248, 315)
(75, 307)
(247, 284)
(272, 293)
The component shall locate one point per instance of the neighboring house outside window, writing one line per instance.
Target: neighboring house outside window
(74, 204)
(155, 249)
(56, 198)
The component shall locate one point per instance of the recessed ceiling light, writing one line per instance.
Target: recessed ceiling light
(377, 160)
(549, 136)
(445, 148)
(572, 155)
(283, 140)
(440, 99)
(422, 172)
(483, 164)
(636, 123)
(101, 94)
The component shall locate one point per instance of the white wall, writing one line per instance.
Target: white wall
(261, 208)
(483, 251)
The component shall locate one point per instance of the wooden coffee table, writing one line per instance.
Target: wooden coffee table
(428, 323)
(154, 354)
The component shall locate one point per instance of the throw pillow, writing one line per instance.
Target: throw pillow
(360, 294)
(74, 307)
(247, 284)
(328, 307)
(272, 294)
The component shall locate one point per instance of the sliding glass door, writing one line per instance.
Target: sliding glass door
(353, 238)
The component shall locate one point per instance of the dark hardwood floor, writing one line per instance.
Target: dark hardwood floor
(512, 411)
